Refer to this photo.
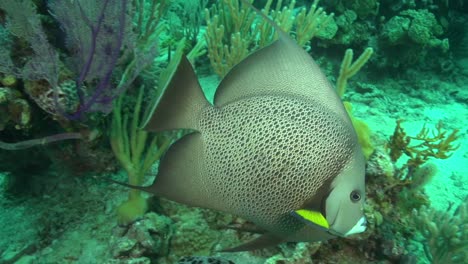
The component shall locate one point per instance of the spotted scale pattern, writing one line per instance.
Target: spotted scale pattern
(266, 156)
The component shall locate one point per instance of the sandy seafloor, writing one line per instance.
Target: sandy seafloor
(86, 207)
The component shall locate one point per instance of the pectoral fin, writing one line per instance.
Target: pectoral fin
(313, 218)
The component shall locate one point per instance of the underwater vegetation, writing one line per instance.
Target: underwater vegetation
(97, 92)
(445, 233)
(430, 144)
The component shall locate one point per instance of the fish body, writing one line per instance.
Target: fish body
(276, 148)
(264, 159)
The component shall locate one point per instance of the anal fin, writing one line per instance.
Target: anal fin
(181, 173)
(263, 241)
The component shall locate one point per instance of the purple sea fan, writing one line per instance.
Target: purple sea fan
(23, 22)
(96, 32)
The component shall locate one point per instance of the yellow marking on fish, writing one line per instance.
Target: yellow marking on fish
(314, 217)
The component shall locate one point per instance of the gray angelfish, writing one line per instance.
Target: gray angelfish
(276, 148)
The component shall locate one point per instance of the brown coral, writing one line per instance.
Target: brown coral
(420, 148)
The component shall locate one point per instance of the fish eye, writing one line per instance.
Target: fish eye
(355, 196)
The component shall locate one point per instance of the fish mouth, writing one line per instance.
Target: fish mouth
(360, 227)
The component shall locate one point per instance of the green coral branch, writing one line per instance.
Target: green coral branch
(147, 19)
(136, 150)
(232, 31)
(349, 68)
(310, 23)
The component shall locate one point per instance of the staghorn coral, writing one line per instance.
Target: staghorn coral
(444, 234)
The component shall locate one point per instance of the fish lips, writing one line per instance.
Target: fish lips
(359, 227)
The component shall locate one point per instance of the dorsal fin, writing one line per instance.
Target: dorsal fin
(180, 102)
(284, 69)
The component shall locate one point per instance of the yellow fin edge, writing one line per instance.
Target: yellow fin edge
(314, 217)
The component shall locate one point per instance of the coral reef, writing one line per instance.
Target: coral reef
(144, 238)
(230, 38)
(299, 255)
(347, 70)
(204, 260)
(402, 35)
(414, 31)
(444, 233)
(420, 148)
(193, 235)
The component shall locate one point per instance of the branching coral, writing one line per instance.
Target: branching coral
(404, 191)
(136, 151)
(408, 180)
(232, 32)
(347, 70)
(185, 19)
(437, 145)
(445, 234)
(420, 148)
(228, 35)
